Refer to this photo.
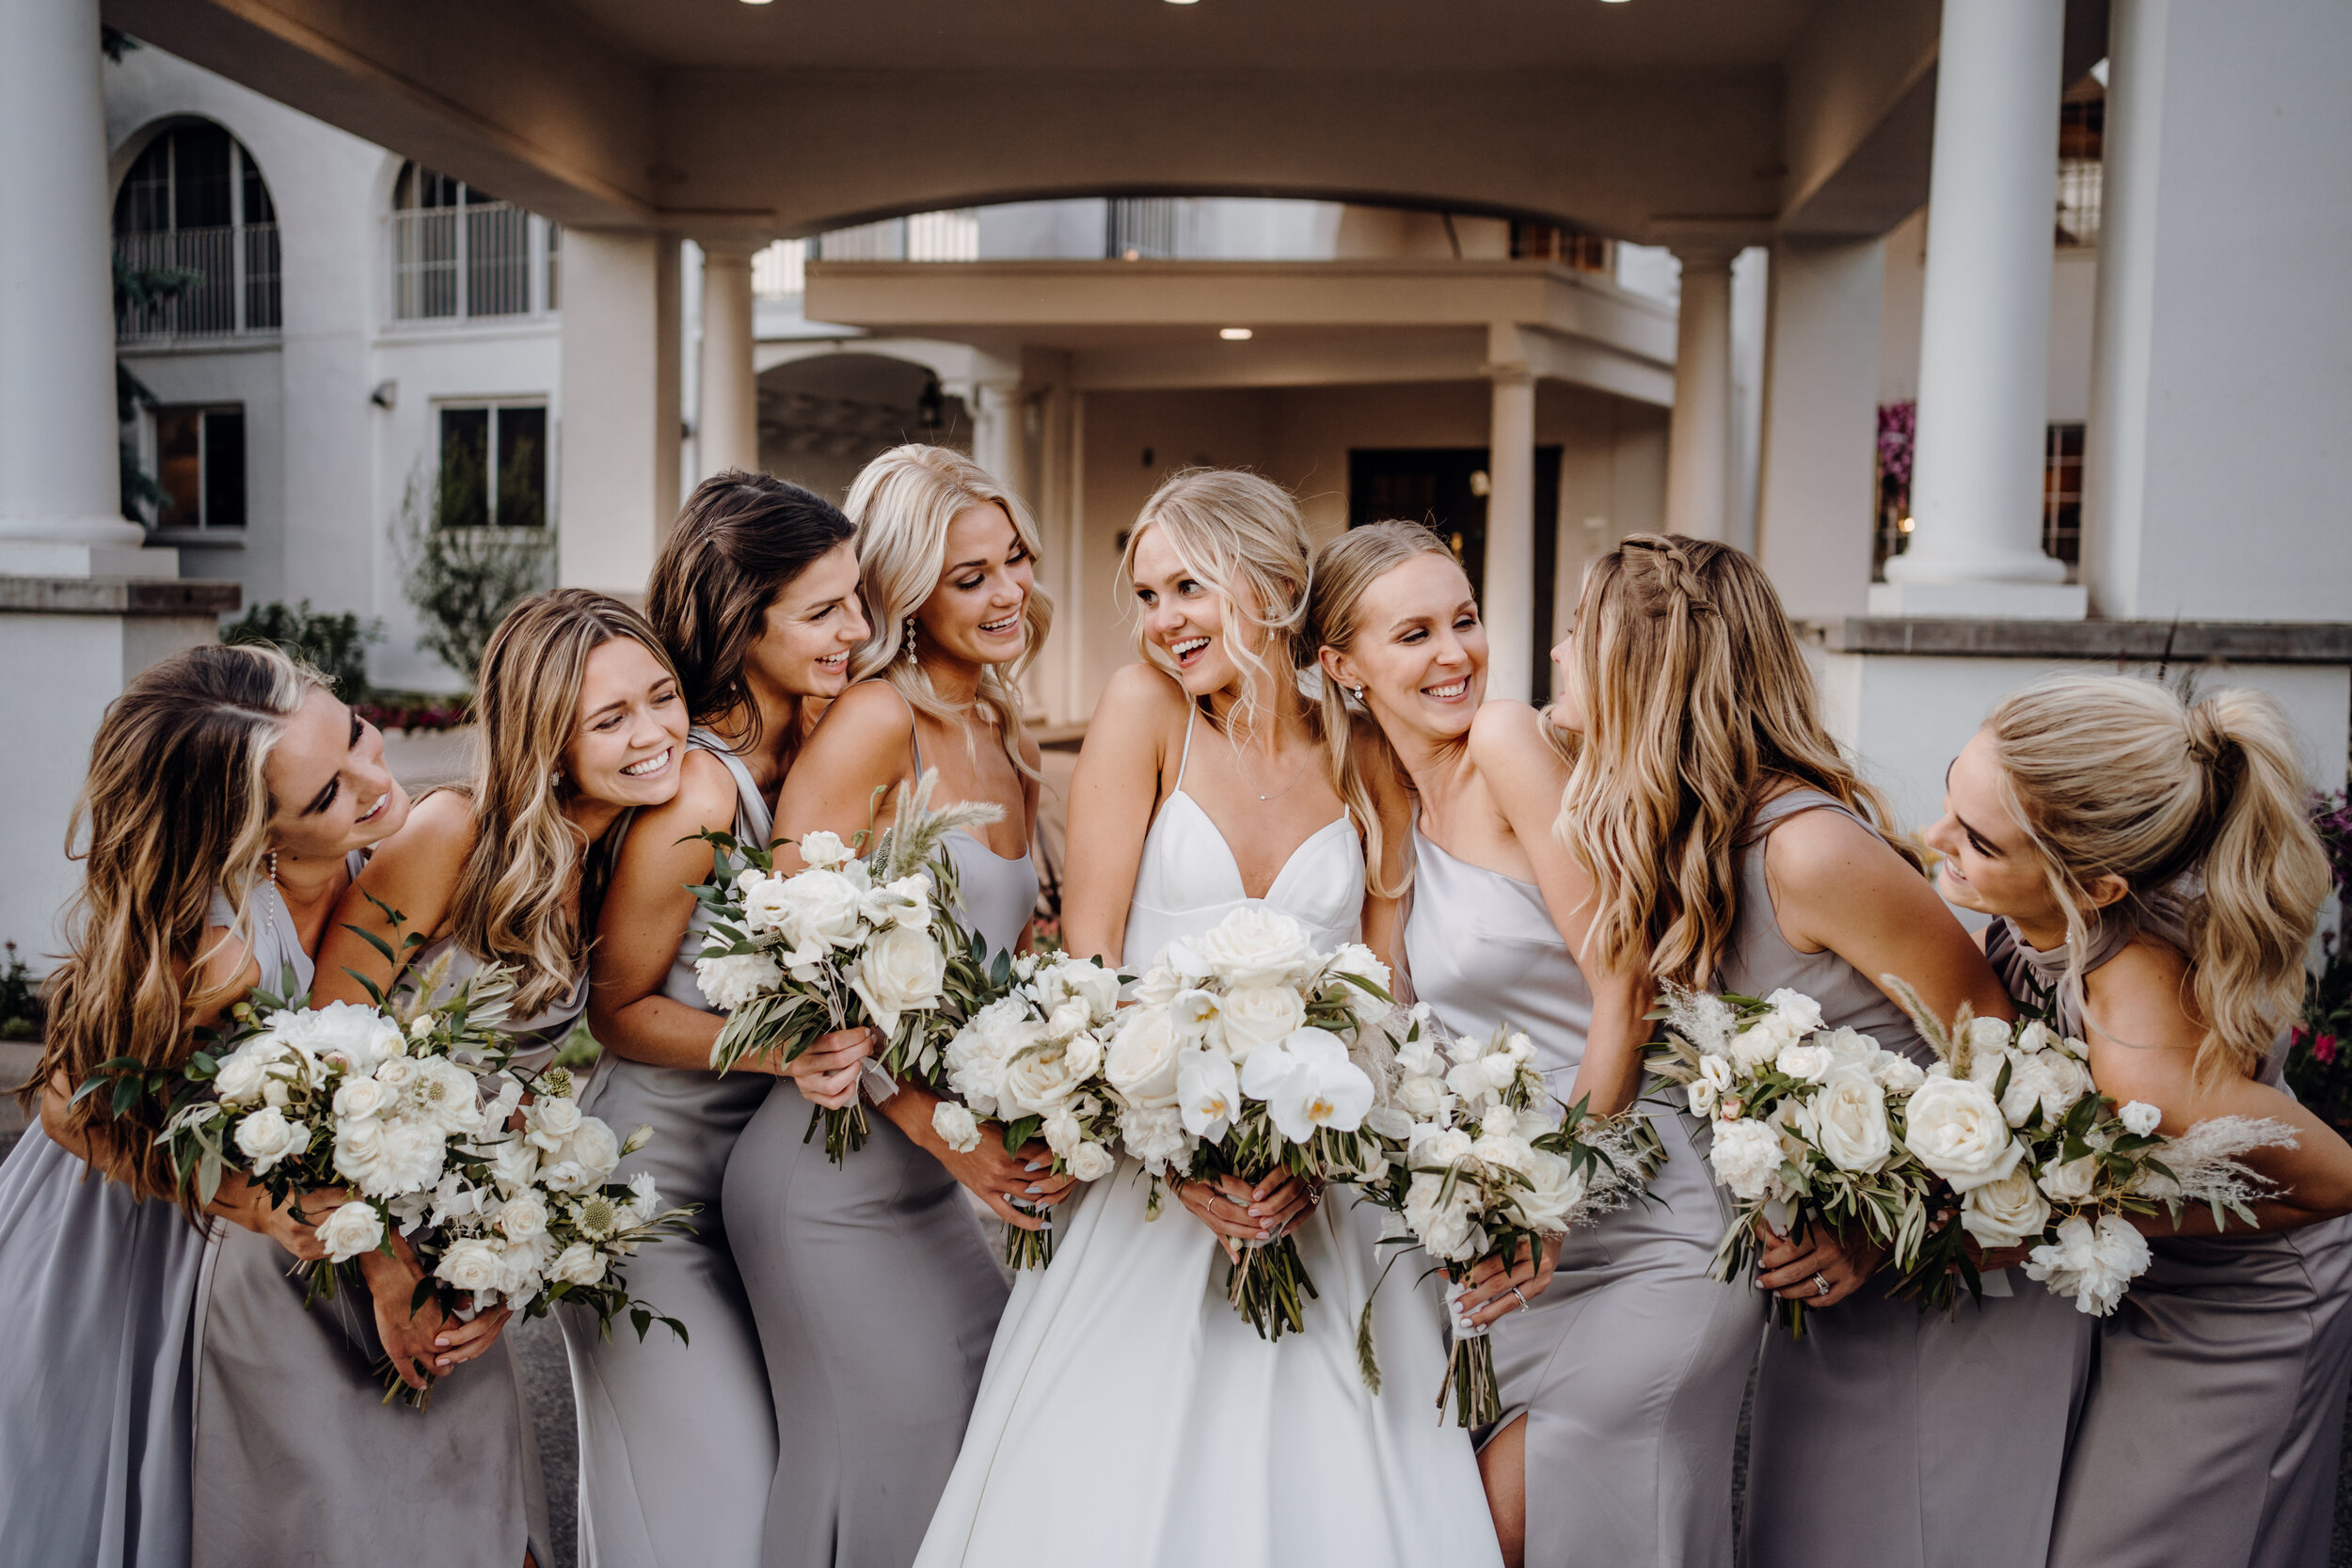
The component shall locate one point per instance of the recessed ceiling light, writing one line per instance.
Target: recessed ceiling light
(1182, 1)
(1230, 334)
(755, 2)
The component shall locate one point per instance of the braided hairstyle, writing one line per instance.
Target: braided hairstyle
(2199, 810)
(1697, 706)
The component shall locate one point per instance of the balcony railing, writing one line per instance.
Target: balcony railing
(466, 262)
(234, 292)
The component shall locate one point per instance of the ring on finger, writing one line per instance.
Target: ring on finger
(1821, 1284)
(1522, 1300)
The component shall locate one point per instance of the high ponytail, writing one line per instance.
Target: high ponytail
(2197, 810)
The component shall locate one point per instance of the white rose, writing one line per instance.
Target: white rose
(1798, 1011)
(1158, 985)
(522, 1266)
(1091, 1163)
(552, 1121)
(1897, 1074)
(594, 1148)
(523, 1216)
(396, 1074)
(1446, 1146)
(825, 851)
(1141, 1062)
(901, 971)
(1256, 945)
(1712, 1083)
(1062, 1133)
(1041, 1079)
(358, 1147)
(265, 1136)
(1257, 1016)
(577, 1264)
(1810, 1063)
(1746, 1156)
(1444, 1226)
(904, 902)
(1851, 1047)
(1958, 1132)
(2007, 1212)
(1469, 1079)
(514, 1163)
(2070, 1182)
(1421, 1096)
(728, 980)
(1850, 1123)
(1354, 959)
(1208, 1092)
(2140, 1117)
(472, 1264)
(765, 907)
(2064, 1082)
(1153, 1134)
(1420, 1056)
(2036, 1037)
(1555, 1188)
(1762, 1041)
(1069, 1016)
(1097, 984)
(350, 1230)
(820, 906)
(1989, 1035)
(1503, 1150)
(359, 1098)
(245, 1069)
(956, 1126)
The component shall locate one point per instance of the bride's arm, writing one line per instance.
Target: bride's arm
(1111, 797)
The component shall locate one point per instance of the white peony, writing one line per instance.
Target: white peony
(1957, 1132)
(1255, 1015)
(1141, 1062)
(1746, 1156)
(1255, 946)
(2007, 1212)
(1308, 1083)
(472, 1264)
(577, 1264)
(265, 1136)
(825, 851)
(956, 1126)
(350, 1230)
(1153, 1134)
(409, 1159)
(2139, 1116)
(1208, 1092)
(729, 980)
(343, 1034)
(443, 1094)
(2096, 1266)
(1808, 1063)
(1091, 1162)
(1849, 1122)
(901, 971)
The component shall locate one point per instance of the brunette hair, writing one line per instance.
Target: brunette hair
(1697, 704)
(740, 539)
(2199, 807)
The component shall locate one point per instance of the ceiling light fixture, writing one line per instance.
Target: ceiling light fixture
(755, 2)
(1182, 1)
(1230, 334)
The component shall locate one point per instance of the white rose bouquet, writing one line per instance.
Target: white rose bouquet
(1809, 1124)
(1492, 1165)
(1247, 1053)
(843, 942)
(2034, 1155)
(1029, 1063)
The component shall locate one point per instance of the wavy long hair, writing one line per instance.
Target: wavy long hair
(513, 902)
(902, 505)
(2199, 809)
(1697, 706)
(177, 806)
(739, 542)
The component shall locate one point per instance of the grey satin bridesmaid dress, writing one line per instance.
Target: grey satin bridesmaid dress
(677, 1441)
(2213, 1428)
(1891, 1436)
(297, 1458)
(1632, 1366)
(877, 1300)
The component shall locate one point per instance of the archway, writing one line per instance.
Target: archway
(824, 418)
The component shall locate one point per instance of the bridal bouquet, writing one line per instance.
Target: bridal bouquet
(1244, 1054)
(1811, 1126)
(1492, 1165)
(2035, 1155)
(1032, 1061)
(843, 942)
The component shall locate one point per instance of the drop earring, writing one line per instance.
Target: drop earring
(909, 643)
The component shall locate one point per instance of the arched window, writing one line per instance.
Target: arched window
(460, 252)
(195, 216)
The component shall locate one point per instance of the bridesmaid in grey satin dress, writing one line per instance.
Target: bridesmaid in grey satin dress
(754, 596)
(2212, 1429)
(872, 1284)
(1624, 1377)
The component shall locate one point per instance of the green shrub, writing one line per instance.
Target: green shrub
(335, 645)
(464, 579)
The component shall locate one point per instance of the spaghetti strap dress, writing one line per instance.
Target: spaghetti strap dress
(2214, 1424)
(297, 1458)
(1131, 1415)
(1890, 1435)
(678, 1441)
(1629, 1370)
(876, 1298)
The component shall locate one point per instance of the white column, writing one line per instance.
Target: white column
(1818, 475)
(1698, 437)
(999, 441)
(619, 444)
(726, 423)
(1507, 598)
(60, 496)
(1985, 325)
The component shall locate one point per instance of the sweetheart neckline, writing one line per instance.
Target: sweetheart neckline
(1234, 860)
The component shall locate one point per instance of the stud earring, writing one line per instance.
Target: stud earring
(1357, 692)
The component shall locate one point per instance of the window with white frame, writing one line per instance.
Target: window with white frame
(195, 228)
(199, 463)
(493, 469)
(459, 253)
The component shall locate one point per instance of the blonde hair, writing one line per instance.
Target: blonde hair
(1697, 704)
(901, 505)
(512, 903)
(1344, 570)
(1241, 536)
(2201, 807)
(177, 805)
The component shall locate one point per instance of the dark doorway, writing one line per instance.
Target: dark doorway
(1446, 488)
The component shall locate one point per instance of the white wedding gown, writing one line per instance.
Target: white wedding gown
(1129, 1415)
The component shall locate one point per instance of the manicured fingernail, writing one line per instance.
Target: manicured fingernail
(441, 1343)
(1033, 1186)
(1036, 1164)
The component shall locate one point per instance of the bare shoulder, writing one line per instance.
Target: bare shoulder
(1819, 851)
(869, 719)
(1508, 746)
(2139, 998)
(433, 844)
(1138, 704)
(705, 798)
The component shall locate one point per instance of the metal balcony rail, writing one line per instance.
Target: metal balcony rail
(234, 291)
(462, 262)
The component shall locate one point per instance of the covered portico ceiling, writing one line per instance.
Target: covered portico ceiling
(1657, 120)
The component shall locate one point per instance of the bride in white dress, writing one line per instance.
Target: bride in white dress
(1129, 1415)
